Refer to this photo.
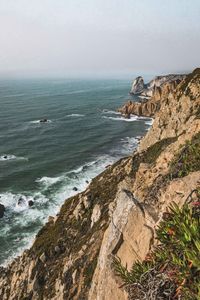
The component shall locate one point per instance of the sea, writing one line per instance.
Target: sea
(44, 163)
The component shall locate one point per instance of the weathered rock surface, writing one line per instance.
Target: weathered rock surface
(71, 257)
(147, 90)
(137, 86)
(2, 210)
(159, 89)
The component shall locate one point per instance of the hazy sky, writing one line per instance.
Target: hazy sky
(65, 37)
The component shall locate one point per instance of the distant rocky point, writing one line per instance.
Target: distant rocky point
(146, 90)
(152, 94)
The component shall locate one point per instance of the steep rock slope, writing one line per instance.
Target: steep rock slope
(147, 90)
(72, 255)
(149, 107)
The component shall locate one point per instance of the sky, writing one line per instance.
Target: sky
(81, 37)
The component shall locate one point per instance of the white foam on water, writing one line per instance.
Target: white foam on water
(48, 181)
(110, 112)
(11, 200)
(80, 177)
(19, 217)
(125, 147)
(150, 122)
(6, 157)
(132, 118)
(75, 115)
(51, 193)
(39, 122)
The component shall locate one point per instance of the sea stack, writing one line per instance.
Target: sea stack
(137, 86)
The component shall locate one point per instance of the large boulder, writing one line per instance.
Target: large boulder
(137, 85)
(2, 210)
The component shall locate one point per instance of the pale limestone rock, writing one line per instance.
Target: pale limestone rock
(127, 232)
(43, 257)
(78, 210)
(96, 214)
(137, 85)
(74, 276)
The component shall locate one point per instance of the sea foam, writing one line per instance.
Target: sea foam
(6, 157)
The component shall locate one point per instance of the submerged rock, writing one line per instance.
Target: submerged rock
(2, 210)
(20, 201)
(43, 121)
(30, 203)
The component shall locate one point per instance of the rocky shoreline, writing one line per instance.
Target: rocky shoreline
(147, 90)
(116, 216)
(152, 95)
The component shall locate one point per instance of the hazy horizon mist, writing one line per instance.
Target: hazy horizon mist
(98, 38)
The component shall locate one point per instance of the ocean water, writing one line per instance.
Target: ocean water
(43, 162)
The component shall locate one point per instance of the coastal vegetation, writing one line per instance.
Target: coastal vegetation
(172, 269)
(187, 160)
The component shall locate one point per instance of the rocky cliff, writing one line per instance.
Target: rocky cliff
(146, 90)
(160, 89)
(116, 216)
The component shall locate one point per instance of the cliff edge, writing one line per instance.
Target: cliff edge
(116, 216)
(146, 90)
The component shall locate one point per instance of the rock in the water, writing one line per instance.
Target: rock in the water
(20, 201)
(75, 189)
(43, 121)
(30, 203)
(2, 210)
(137, 86)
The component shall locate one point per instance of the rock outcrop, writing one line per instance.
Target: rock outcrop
(147, 90)
(137, 86)
(2, 210)
(148, 107)
(116, 215)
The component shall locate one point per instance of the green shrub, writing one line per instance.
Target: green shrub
(172, 270)
(188, 160)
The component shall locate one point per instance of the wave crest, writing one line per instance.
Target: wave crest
(75, 115)
(6, 157)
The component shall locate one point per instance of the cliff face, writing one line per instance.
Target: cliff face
(147, 90)
(72, 255)
(149, 107)
(138, 86)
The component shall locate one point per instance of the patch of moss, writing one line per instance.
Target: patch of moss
(48, 236)
(154, 151)
(188, 159)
